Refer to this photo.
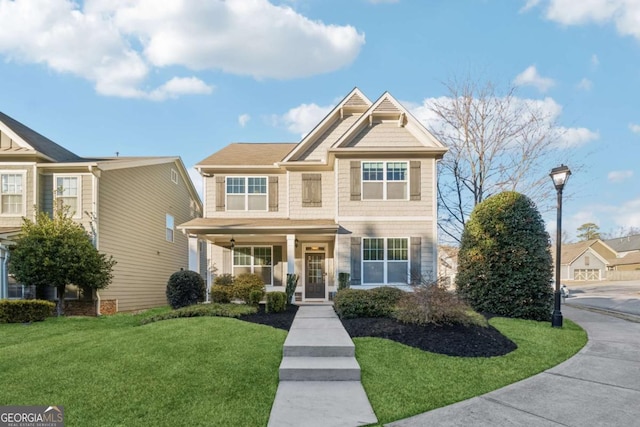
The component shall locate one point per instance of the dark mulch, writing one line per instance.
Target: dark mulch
(277, 320)
(452, 340)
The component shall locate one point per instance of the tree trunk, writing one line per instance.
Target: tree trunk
(60, 304)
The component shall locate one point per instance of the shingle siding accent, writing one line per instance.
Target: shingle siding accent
(318, 149)
(384, 134)
(327, 208)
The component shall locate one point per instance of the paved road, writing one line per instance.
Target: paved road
(623, 297)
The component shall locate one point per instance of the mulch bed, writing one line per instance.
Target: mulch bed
(451, 340)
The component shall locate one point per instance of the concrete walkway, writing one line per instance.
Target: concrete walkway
(319, 375)
(600, 386)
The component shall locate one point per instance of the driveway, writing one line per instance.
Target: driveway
(618, 296)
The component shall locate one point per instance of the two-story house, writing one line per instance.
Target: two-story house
(356, 195)
(130, 206)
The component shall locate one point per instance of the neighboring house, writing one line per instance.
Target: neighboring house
(448, 264)
(588, 260)
(628, 250)
(356, 195)
(130, 206)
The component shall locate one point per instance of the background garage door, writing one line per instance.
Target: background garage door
(586, 274)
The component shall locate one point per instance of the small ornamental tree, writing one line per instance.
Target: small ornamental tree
(56, 251)
(504, 263)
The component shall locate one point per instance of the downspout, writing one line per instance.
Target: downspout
(95, 175)
(4, 278)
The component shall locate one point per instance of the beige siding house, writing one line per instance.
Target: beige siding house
(130, 206)
(356, 195)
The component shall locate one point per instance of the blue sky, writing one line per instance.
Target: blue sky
(188, 77)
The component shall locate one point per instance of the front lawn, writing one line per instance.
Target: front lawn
(403, 381)
(111, 371)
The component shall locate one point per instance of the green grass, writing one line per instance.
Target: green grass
(402, 381)
(110, 371)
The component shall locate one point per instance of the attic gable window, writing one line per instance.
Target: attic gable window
(174, 176)
(12, 197)
(385, 181)
(246, 193)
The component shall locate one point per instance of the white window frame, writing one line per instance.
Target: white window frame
(74, 292)
(174, 176)
(78, 213)
(170, 225)
(246, 193)
(385, 260)
(385, 182)
(253, 264)
(23, 211)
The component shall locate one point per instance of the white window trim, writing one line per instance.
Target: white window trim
(172, 228)
(253, 265)
(246, 193)
(385, 260)
(384, 180)
(174, 176)
(76, 215)
(22, 172)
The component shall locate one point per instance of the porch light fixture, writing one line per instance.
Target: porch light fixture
(559, 175)
(232, 242)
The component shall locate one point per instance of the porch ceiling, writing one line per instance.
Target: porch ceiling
(258, 226)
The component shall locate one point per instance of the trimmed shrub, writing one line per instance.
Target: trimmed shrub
(223, 279)
(504, 262)
(377, 302)
(24, 311)
(221, 293)
(185, 288)
(216, 310)
(276, 302)
(433, 303)
(244, 283)
(255, 296)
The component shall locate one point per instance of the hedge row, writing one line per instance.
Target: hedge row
(24, 311)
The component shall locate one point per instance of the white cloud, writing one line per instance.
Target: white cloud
(635, 128)
(623, 14)
(625, 214)
(531, 77)
(585, 84)
(116, 44)
(529, 5)
(595, 61)
(196, 178)
(574, 137)
(303, 118)
(243, 119)
(619, 176)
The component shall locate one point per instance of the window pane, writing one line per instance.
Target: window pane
(397, 272)
(373, 249)
(242, 256)
(241, 270)
(372, 191)
(257, 185)
(12, 204)
(373, 272)
(235, 185)
(397, 250)
(372, 171)
(257, 203)
(15, 291)
(396, 191)
(67, 186)
(235, 203)
(396, 171)
(262, 256)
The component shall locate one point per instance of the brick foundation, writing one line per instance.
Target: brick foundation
(88, 308)
(108, 306)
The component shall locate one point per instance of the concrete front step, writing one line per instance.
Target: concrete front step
(319, 369)
(310, 342)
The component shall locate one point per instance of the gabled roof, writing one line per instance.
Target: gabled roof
(630, 258)
(247, 154)
(625, 244)
(355, 101)
(32, 140)
(572, 251)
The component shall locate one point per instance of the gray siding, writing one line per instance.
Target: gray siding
(133, 204)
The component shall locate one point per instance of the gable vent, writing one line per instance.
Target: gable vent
(355, 101)
(386, 106)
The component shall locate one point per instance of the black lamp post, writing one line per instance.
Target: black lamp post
(559, 176)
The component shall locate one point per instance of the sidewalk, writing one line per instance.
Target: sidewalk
(599, 386)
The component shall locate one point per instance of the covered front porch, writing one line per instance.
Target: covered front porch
(271, 248)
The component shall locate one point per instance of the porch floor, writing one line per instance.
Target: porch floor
(319, 375)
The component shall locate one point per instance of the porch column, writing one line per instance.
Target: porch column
(291, 253)
(194, 257)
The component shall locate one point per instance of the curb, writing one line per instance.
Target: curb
(613, 313)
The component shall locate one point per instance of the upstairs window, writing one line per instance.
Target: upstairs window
(67, 193)
(12, 198)
(246, 193)
(385, 181)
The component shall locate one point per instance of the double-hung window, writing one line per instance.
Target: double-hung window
(246, 193)
(67, 191)
(254, 259)
(12, 197)
(385, 181)
(385, 260)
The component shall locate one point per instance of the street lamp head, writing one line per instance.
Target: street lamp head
(559, 176)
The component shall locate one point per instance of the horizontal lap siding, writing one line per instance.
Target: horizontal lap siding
(133, 204)
(422, 207)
